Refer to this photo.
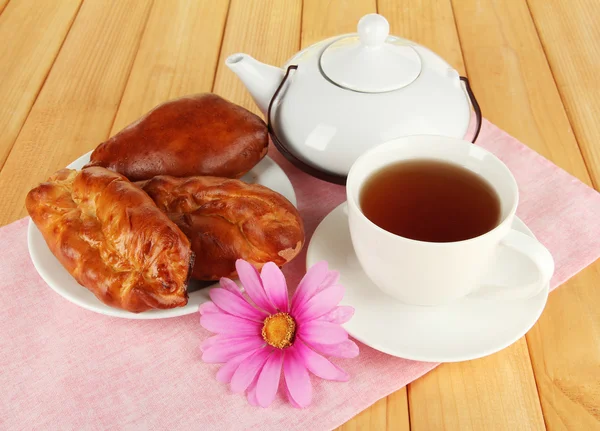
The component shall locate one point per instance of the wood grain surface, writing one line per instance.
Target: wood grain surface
(523, 100)
(77, 71)
(178, 55)
(570, 35)
(31, 56)
(251, 25)
(75, 108)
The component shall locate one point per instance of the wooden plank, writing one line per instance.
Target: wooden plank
(3, 4)
(27, 59)
(565, 352)
(493, 393)
(76, 107)
(373, 418)
(388, 413)
(570, 32)
(397, 410)
(177, 56)
(267, 30)
(512, 79)
(476, 394)
(565, 345)
(321, 20)
(428, 22)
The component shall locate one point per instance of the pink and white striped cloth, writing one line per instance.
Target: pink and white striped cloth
(62, 367)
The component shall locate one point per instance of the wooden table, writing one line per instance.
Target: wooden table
(73, 72)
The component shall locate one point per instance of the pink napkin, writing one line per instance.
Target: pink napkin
(62, 367)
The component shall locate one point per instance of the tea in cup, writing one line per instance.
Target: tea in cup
(427, 216)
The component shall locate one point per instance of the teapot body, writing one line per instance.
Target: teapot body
(329, 127)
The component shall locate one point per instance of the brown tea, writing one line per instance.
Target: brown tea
(429, 200)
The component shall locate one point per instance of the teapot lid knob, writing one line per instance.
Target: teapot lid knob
(373, 30)
(371, 61)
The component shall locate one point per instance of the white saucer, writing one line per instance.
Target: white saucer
(266, 172)
(466, 329)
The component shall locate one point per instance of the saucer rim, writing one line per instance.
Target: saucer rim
(545, 291)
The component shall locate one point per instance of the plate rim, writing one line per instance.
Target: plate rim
(154, 314)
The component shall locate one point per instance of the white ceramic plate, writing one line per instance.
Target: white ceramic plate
(466, 329)
(266, 173)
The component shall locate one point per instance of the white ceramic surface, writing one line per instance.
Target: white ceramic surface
(369, 62)
(266, 172)
(466, 329)
(429, 273)
(330, 126)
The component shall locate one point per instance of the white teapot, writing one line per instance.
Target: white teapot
(349, 93)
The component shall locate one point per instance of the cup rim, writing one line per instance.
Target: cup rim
(406, 140)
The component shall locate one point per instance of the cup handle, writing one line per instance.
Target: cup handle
(537, 254)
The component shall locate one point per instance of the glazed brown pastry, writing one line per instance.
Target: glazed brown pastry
(112, 239)
(228, 220)
(196, 135)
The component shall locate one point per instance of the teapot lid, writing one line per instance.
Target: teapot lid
(371, 62)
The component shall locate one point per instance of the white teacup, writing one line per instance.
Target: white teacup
(430, 273)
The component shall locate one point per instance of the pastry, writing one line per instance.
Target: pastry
(196, 135)
(111, 237)
(227, 219)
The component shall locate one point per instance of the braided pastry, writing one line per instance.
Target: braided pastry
(227, 220)
(112, 239)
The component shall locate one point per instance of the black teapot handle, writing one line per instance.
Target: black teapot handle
(328, 176)
(476, 107)
(300, 164)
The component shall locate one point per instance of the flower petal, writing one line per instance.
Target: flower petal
(231, 286)
(339, 315)
(320, 304)
(331, 279)
(253, 285)
(320, 366)
(318, 277)
(223, 352)
(309, 283)
(236, 305)
(225, 339)
(225, 373)
(222, 323)
(210, 341)
(319, 331)
(248, 369)
(268, 380)
(252, 394)
(297, 379)
(290, 399)
(345, 349)
(208, 307)
(275, 286)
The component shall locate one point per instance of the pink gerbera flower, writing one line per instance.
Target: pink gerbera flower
(259, 332)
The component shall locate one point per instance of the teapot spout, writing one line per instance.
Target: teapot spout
(260, 79)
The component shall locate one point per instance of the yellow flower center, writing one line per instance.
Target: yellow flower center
(279, 330)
